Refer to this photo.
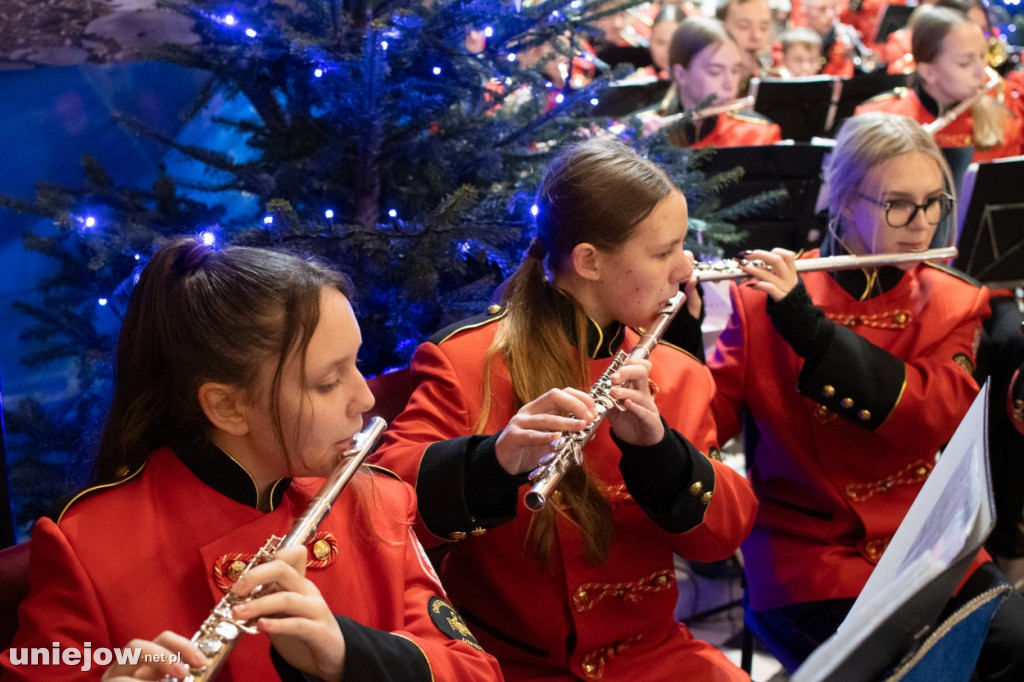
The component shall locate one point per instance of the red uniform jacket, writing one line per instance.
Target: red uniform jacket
(732, 129)
(144, 556)
(613, 621)
(843, 447)
(957, 134)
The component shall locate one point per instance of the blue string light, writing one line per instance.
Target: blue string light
(329, 214)
(393, 213)
(437, 70)
(209, 238)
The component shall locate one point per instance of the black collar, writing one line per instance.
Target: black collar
(220, 471)
(927, 101)
(601, 343)
(695, 134)
(868, 282)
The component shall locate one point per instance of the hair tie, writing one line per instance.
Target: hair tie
(194, 258)
(537, 249)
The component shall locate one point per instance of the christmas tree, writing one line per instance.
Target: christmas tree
(376, 135)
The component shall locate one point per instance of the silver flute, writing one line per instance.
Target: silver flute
(568, 449)
(221, 631)
(730, 267)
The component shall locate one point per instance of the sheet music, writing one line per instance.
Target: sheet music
(951, 517)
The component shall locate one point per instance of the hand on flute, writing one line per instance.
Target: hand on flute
(538, 424)
(778, 278)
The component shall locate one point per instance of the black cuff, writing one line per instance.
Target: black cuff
(671, 481)
(801, 323)
(370, 654)
(448, 470)
(855, 379)
(490, 490)
(685, 331)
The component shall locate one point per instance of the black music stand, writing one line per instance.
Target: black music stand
(991, 239)
(800, 106)
(860, 88)
(791, 224)
(893, 18)
(624, 98)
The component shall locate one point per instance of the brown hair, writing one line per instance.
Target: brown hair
(201, 314)
(692, 36)
(597, 192)
(929, 26)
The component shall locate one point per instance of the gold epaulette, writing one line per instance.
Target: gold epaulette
(494, 313)
(376, 468)
(895, 93)
(97, 488)
(962, 276)
(750, 116)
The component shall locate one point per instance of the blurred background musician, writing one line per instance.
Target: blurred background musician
(950, 52)
(841, 45)
(664, 26)
(707, 65)
(870, 374)
(750, 24)
(800, 53)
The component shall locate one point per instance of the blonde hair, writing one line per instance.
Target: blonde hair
(869, 140)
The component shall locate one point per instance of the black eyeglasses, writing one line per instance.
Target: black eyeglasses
(899, 212)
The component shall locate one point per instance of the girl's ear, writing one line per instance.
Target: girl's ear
(926, 72)
(225, 406)
(586, 261)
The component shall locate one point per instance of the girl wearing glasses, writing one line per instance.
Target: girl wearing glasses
(851, 381)
(951, 54)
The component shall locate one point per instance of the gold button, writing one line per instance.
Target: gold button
(589, 669)
(864, 415)
(478, 531)
(705, 499)
(846, 403)
(828, 391)
(661, 580)
(121, 472)
(900, 318)
(493, 309)
(696, 488)
(580, 596)
(235, 569)
(921, 470)
(321, 549)
(457, 535)
(715, 454)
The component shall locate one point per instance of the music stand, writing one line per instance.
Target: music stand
(792, 223)
(893, 18)
(623, 98)
(991, 238)
(860, 88)
(799, 105)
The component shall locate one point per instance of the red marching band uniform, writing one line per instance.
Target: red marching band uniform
(158, 550)
(844, 445)
(614, 620)
(731, 129)
(919, 106)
